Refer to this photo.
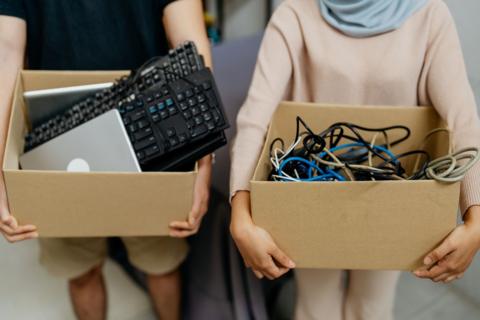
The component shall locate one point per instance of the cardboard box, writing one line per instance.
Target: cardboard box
(64, 204)
(387, 225)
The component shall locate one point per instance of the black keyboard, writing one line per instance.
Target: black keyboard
(180, 62)
(170, 107)
(165, 119)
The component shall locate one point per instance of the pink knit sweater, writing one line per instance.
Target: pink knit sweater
(302, 58)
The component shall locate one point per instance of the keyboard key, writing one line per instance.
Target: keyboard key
(129, 107)
(203, 107)
(201, 98)
(164, 114)
(144, 143)
(169, 102)
(155, 117)
(182, 138)
(161, 106)
(199, 130)
(142, 134)
(171, 132)
(206, 85)
(140, 155)
(197, 89)
(198, 120)
(138, 115)
(142, 124)
(173, 141)
(126, 121)
(172, 111)
(152, 150)
(132, 128)
(207, 116)
(188, 93)
(216, 116)
(180, 97)
(183, 106)
(210, 125)
(152, 109)
(192, 102)
(195, 111)
(187, 114)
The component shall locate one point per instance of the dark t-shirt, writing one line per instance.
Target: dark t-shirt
(90, 34)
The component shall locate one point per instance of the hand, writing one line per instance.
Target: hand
(201, 194)
(9, 226)
(260, 252)
(451, 259)
(256, 246)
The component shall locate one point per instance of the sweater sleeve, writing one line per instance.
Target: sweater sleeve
(447, 88)
(270, 81)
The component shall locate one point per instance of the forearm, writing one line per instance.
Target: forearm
(10, 64)
(241, 212)
(178, 31)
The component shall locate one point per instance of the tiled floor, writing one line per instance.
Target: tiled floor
(28, 292)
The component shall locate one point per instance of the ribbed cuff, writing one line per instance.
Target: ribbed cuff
(470, 189)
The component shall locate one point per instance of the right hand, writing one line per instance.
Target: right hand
(256, 246)
(9, 226)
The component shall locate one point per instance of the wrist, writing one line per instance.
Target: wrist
(472, 221)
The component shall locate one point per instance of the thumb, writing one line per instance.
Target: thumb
(5, 216)
(282, 258)
(438, 254)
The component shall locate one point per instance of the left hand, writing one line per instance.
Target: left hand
(450, 260)
(201, 194)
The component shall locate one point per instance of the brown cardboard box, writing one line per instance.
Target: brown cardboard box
(355, 225)
(63, 204)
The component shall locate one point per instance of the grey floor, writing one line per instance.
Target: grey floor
(28, 292)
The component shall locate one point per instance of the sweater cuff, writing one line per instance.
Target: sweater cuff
(238, 185)
(470, 189)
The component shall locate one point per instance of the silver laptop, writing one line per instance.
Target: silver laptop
(101, 144)
(43, 104)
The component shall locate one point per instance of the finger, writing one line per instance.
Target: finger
(442, 277)
(21, 229)
(282, 258)
(197, 213)
(258, 274)
(451, 278)
(182, 233)
(21, 237)
(270, 269)
(438, 254)
(433, 273)
(183, 225)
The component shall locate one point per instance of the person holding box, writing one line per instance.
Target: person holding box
(362, 52)
(101, 35)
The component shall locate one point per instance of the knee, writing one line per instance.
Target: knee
(91, 276)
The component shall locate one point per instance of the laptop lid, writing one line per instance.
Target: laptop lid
(101, 144)
(44, 104)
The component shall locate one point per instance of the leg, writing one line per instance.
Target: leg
(159, 258)
(79, 261)
(371, 295)
(165, 291)
(320, 294)
(88, 295)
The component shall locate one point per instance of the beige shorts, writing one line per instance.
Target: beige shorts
(72, 257)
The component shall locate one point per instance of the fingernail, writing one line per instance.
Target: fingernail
(291, 264)
(427, 261)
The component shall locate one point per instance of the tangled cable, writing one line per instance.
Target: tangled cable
(341, 153)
